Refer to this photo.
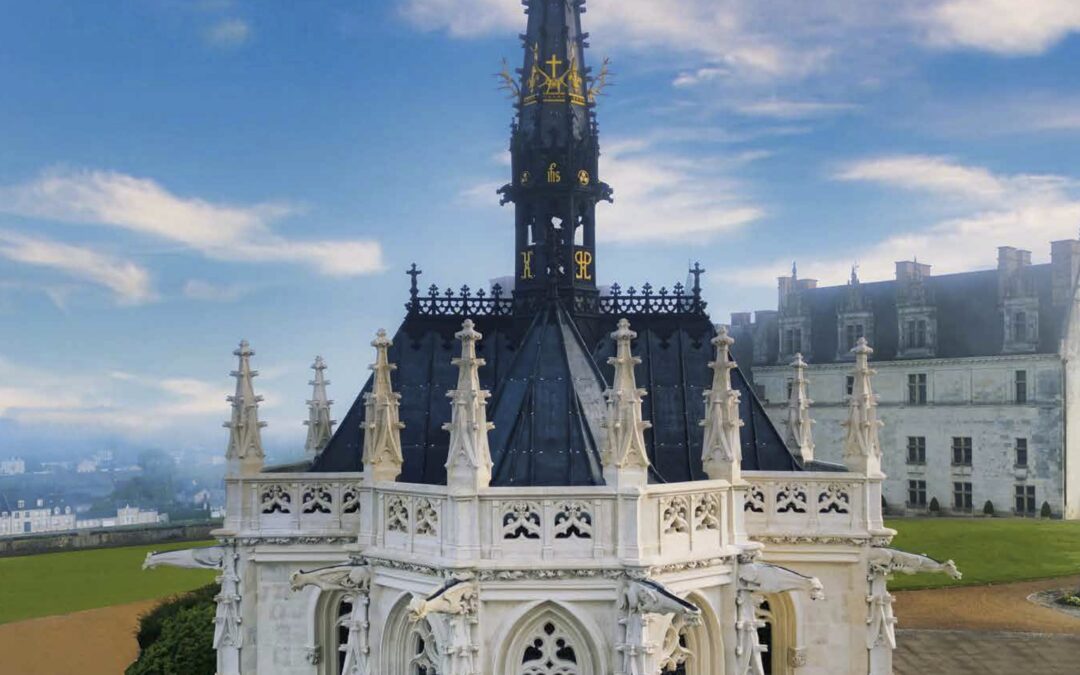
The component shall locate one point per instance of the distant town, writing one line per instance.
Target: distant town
(107, 489)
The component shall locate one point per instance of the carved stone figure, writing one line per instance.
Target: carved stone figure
(756, 579)
(456, 604)
(355, 581)
(642, 604)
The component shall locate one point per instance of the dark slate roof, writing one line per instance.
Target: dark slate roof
(969, 318)
(547, 370)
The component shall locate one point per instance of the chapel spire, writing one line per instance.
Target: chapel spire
(245, 452)
(555, 154)
(320, 426)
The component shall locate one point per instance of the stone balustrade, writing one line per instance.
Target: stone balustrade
(813, 506)
(590, 525)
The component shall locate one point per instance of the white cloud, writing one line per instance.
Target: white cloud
(792, 110)
(219, 231)
(198, 289)
(1006, 27)
(135, 405)
(994, 210)
(129, 282)
(228, 33)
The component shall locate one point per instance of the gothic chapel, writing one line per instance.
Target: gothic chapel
(555, 479)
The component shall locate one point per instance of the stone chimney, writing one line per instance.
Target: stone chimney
(1065, 266)
(1013, 279)
(740, 319)
(912, 270)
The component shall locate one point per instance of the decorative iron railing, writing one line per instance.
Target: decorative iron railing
(466, 302)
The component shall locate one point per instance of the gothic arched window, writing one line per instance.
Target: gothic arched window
(422, 651)
(550, 651)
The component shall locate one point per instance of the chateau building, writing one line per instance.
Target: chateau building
(977, 372)
(547, 480)
(41, 517)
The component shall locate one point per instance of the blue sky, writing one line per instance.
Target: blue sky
(175, 175)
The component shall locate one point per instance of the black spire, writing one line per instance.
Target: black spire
(555, 153)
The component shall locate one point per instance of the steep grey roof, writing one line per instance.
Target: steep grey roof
(969, 318)
(545, 372)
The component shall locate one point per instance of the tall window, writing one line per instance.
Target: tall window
(916, 449)
(341, 625)
(792, 341)
(849, 385)
(1021, 452)
(1019, 327)
(852, 333)
(961, 450)
(1025, 499)
(916, 493)
(1021, 386)
(790, 388)
(916, 333)
(962, 496)
(916, 384)
(423, 652)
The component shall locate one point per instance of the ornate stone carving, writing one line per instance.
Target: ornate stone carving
(457, 604)
(245, 449)
(880, 621)
(675, 515)
(551, 651)
(755, 579)
(468, 463)
(521, 520)
(641, 604)
(707, 512)
(276, 499)
(397, 514)
(427, 518)
(320, 426)
(791, 498)
(834, 498)
(316, 499)
(796, 657)
(350, 499)
(573, 520)
(624, 457)
(722, 452)
(355, 581)
(799, 425)
(862, 447)
(382, 424)
(755, 499)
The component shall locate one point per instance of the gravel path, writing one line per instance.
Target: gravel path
(986, 608)
(94, 642)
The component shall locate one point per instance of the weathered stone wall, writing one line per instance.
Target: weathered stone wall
(965, 397)
(104, 537)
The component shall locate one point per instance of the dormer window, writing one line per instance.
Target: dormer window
(851, 327)
(794, 338)
(918, 332)
(1021, 317)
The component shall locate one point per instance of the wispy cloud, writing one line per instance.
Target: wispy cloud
(218, 231)
(1005, 27)
(228, 33)
(198, 289)
(793, 110)
(661, 196)
(129, 282)
(989, 210)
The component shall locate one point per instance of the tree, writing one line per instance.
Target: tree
(177, 637)
(988, 508)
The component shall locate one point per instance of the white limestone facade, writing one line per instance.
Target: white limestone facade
(328, 573)
(23, 519)
(1017, 459)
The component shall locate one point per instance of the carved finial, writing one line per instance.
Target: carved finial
(624, 457)
(722, 452)
(697, 270)
(800, 426)
(862, 448)
(320, 426)
(382, 424)
(855, 274)
(468, 463)
(794, 270)
(245, 450)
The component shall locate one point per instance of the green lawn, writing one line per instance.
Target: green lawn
(59, 583)
(988, 550)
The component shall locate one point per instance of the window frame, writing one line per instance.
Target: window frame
(916, 450)
(963, 451)
(918, 389)
(1021, 446)
(916, 489)
(963, 496)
